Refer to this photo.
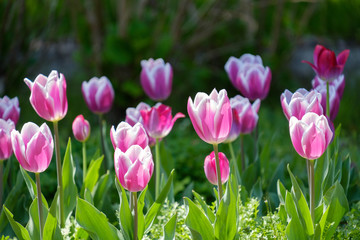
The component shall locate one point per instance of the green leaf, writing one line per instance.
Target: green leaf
(125, 216)
(199, 225)
(92, 175)
(345, 179)
(208, 212)
(169, 228)
(31, 185)
(19, 230)
(281, 191)
(320, 173)
(88, 197)
(249, 176)
(33, 226)
(101, 189)
(294, 229)
(256, 190)
(141, 218)
(51, 228)
(95, 222)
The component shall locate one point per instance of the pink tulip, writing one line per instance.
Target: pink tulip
(81, 128)
(235, 65)
(326, 65)
(126, 135)
(334, 99)
(210, 168)
(134, 167)
(211, 116)
(33, 147)
(9, 109)
(98, 94)
(300, 102)
(48, 96)
(311, 135)
(5, 138)
(158, 121)
(156, 78)
(338, 83)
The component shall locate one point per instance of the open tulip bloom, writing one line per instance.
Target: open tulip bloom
(9, 109)
(126, 135)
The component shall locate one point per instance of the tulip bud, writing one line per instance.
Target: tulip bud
(210, 168)
(81, 128)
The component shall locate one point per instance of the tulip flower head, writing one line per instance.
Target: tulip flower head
(48, 96)
(158, 121)
(134, 167)
(33, 147)
(98, 94)
(300, 102)
(211, 116)
(327, 65)
(9, 109)
(5, 138)
(210, 168)
(126, 135)
(334, 99)
(337, 83)
(156, 78)
(81, 128)
(310, 135)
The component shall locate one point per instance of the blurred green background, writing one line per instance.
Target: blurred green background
(87, 38)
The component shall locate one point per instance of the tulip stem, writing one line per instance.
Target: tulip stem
(59, 174)
(157, 170)
(310, 167)
(218, 173)
(102, 138)
(243, 163)
(84, 160)
(327, 100)
(37, 176)
(1, 182)
(234, 159)
(134, 194)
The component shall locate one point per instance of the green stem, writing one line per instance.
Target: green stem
(59, 174)
(131, 202)
(327, 100)
(84, 160)
(243, 163)
(135, 216)
(232, 152)
(233, 157)
(41, 226)
(157, 168)
(310, 166)
(218, 173)
(1, 182)
(102, 138)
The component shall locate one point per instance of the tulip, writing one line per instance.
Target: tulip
(126, 135)
(210, 168)
(334, 99)
(81, 128)
(98, 94)
(48, 96)
(5, 139)
(9, 109)
(156, 78)
(235, 65)
(337, 83)
(327, 65)
(300, 102)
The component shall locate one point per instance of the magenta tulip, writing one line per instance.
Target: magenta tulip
(327, 65)
(5, 138)
(300, 102)
(126, 135)
(156, 78)
(134, 167)
(81, 128)
(211, 116)
(9, 109)
(210, 168)
(98, 94)
(334, 99)
(310, 135)
(33, 147)
(158, 121)
(48, 96)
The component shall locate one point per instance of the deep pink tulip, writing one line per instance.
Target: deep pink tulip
(210, 168)
(33, 147)
(245, 116)
(327, 65)
(311, 135)
(158, 121)
(300, 102)
(338, 83)
(126, 135)
(48, 96)
(134, 167)
(98, 94)
(156, 78)
(9, 109)
(81, 128)
(334, 99)
(211, 116)
(5, 138)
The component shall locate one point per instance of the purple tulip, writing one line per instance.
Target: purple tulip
(33, 147)
(5, 138)
(98, 94)
(126, 135)
(210, 168)
(81, 128)
(9, 109)
(338, 83)
(156, 78)
(334, 99)
(48, 96)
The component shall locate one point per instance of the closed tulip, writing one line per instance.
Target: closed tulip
(211, 116)
(48, 96)
(33, 147)
(9, 109)
(338, 83)
(334, 99)
(327, 65)
(5, 138)
(134, 167)
(235, 65)
(81, 128)
(126, 135)
(310, 135)
(300, 102)
(156, 78)
(98, 94)
(210, 168)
